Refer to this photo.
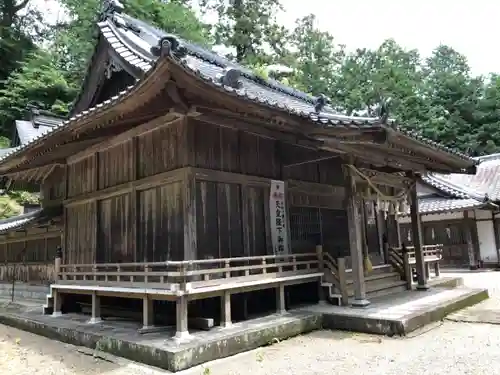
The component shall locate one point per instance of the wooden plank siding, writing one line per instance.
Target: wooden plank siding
(451, 234)
(192, 190)
(30, 260)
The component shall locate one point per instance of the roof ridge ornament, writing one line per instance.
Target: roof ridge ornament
(110, 7)
(169, 46)
(320, 102)
(384, 110)
(231, 77)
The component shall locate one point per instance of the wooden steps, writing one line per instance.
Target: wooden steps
(381, 281)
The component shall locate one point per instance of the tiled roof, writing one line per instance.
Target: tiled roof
(19, 221)
(134, 40)
(486, 181)
(40, 215)
(433, 205)
(27, 131)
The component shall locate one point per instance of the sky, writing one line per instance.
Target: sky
(470, 27)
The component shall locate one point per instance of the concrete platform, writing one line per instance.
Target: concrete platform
(399, 314)
(158, 349)
(396, 314)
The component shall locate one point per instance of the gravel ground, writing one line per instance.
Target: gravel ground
(445, 348)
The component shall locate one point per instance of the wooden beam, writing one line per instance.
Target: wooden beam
(125, 188)
(319, 156)
(229, 177)
(142, 129)
(262, 130)
(374, 157)
(22, 173)
(29, 237)
(350, 136)
(381, 178)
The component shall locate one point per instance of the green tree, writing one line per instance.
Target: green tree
(453, 96)
(315, 57)
(38, 82)
(19, 26)
(248, 27)
(369, 76)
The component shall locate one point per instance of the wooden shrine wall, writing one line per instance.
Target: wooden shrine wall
(233, 187)
(29, 256)
(125, 203)
(194, 190)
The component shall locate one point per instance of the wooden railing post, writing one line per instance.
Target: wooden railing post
(342, 281)
(147, 269)
(407, 269)
(183, 282)
(319, 254)
(57, 263)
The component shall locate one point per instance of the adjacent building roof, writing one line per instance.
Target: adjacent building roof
(41, 215)
(458, 192)
(485, 183)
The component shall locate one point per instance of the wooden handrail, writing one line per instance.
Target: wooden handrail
(337, 272)
(187, 274)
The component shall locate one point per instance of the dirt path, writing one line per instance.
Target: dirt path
(447, 348)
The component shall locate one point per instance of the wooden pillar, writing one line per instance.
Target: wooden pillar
(353, 206)
(57, 263)
(225, 308)
(364, 231)
(147, 312)
(380, 223)
(181, 321)
(393, 230)
(57, 300)
(280, 299)
(96, 309)
(190, 241)
(416, 226)
(468, 238)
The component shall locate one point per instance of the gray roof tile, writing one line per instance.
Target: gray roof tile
(486, 181)
(432, 205)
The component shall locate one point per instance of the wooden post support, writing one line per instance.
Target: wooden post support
(407, 269)
(416, 226)
(147, 312)
(468, 238)
(225, 319)
(343, 281)
(181, 321)
(57, 299)
(57, 263)
(353, 206)
(96, 309)
(280, 299)
(436, 269)
(321, 268)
